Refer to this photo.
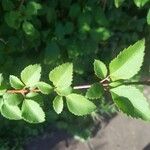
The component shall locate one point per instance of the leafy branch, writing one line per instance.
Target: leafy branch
(22, 102)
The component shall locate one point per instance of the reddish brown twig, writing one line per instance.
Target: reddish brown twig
(22, 91)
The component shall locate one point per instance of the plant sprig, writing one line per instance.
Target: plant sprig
(19, 102)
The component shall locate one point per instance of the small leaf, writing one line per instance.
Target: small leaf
(12, 99)
(11, 112)
(123, 104)
(100, 69)
(32, 8)
(1, 103)
(79, 105)
(32, 112)
(140, 3)
(31, 75)
(148, 17)
(58, 104)
(95, 91)
(118, 3)
(61, 76)
(44, 87)
(125, 65)
(64, 91)
(28, 28)
(15, 82)
(136, 100)
(13, 18)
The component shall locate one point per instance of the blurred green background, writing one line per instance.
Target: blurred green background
(51, 32)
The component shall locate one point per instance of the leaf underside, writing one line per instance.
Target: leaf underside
(95, 91)
(131, 101)
(79, 105)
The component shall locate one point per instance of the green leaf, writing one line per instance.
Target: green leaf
(95, 91)
(28, 28)
(32, 112)
(32, 8)
(135, 103)
(44, 87)
(124, 105)
(61, 76)
(1, 103)
(100, 69)
(15, 82)
(118, 3)
(31, 75)
(58, 104)
(12, 99)
(140, 3)
(64, 91)
(11, 112)
(128, 62)
(79, 105)
(13, 19)
(148, 17)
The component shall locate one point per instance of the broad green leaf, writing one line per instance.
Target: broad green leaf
(12, 99)
(58, 104)
(64, 91)
(79, 105)
(128, 62)
(28, 28)
(61, 76)
(32, 112)
(118, 3)
(1, 103)
(32, 8)
(140, 3)
(124, 105)
(11, 112)
(15, 82)
(100, 69)
(44, 87)
(148, 17)
(95, 91)
(135, 100)
(31, 75)
(13, 19)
